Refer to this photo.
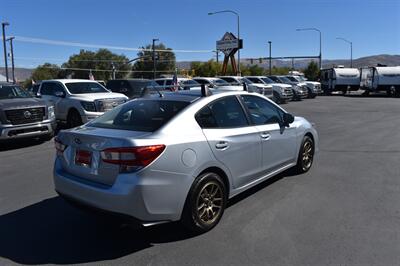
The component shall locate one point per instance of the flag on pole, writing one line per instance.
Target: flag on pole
(91, 77)
(175, 82)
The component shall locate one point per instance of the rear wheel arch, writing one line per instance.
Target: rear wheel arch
(221, 173)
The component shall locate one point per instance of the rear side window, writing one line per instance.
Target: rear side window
(224, 113)
(140, 115)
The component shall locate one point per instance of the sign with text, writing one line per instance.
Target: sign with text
(229, 44)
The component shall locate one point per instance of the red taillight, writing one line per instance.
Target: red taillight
(60, 147)
(133, 156)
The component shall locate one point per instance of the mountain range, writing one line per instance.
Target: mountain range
(390, 60)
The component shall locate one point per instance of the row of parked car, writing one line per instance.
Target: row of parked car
(73, 102)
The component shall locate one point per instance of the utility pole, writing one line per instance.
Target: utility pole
(3, 25)
(351, 49)
(217, 55)
(12, 58)
(154, 58)
(270, 59)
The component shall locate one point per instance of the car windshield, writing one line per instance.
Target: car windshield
(140, 115)
(85, 87)
(11, 92)
(292, 78)
(189, 83)
(220, 82)
(246, 80)
(275, 79)
(284, 80)
(256, 80)
(267, 80)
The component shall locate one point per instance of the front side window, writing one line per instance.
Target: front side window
(261, 111)
(85, 87)
(140, 115)
(224, 113)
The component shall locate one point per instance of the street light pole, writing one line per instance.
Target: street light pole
(238, 32)
(12, 58)
(270, 59)
(3, 25)
(320, 43)
(154, 58)
(351, 49)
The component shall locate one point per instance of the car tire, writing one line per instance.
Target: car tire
(74, 119)
(306, 155)
(205, 203)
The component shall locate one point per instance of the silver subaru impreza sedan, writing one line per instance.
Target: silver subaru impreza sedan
(180, 156)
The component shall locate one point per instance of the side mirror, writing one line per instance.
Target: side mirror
(287, 119)
(210, 85)
(59, 94)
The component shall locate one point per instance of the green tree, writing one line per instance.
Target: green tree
(312, 71)
(205, 69)
(100, 63)
(251, 70)
(46, 71)
(165, 62)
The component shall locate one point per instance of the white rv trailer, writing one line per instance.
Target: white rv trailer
(340, 79)
(382, 78)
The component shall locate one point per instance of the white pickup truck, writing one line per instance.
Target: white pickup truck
(77, 101)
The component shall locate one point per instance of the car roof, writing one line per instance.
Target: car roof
(189, 95)
(70, 80)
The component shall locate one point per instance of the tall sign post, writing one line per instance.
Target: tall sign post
(229, 45)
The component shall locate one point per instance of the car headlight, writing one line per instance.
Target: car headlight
(50, 112)
(89, 106)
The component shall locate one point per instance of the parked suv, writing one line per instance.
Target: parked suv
(77, 101)
(263, 89)
(281, 92)
(22, 115)
(132, 88)
(299, 91)
(183, 84)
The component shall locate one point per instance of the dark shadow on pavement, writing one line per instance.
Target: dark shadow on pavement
(14, 144)
(52, 232)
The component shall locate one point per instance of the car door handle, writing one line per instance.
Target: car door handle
(265, 136)
(221, 145)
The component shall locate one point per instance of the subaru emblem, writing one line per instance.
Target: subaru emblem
(77, 141)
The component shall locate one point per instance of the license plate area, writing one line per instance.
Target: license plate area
(83, 158)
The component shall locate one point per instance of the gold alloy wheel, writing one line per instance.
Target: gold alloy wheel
(209, 202)
(308, 154)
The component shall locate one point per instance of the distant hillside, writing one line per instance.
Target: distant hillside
(21, 74)
(390, 60)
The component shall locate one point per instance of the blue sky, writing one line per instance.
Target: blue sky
(372, 25)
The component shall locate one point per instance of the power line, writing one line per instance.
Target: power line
(107, 70)
(85, 45)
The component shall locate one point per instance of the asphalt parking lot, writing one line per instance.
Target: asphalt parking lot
(346, 210)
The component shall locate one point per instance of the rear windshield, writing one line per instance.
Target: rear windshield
(11, 92)
(140, 115)
(85, 87)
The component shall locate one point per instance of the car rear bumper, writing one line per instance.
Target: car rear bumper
(152, 196)
(45, 127)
